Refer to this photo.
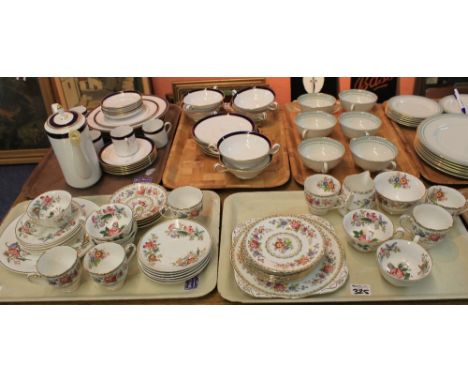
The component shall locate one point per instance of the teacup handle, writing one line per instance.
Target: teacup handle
(274, 149)
(296, 105)
(352, 107)
(167, 127)
(36, 278)
(273, 106)
(168, 212)
(406, 221)
(130, 250)
(416, 239)
(213, 148)
(399, 233)
(187, 107)
(392, 166)
(218, 167)
(324, 168)
(263, 117)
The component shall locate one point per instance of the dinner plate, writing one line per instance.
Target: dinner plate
(413, 106)
(450, 103)
(110, 157)
(153, 107)
(438, 159)
(174, 245)
(446, 135)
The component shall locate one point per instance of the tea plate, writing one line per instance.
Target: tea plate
(283, 245)
(145, 199)
(174, 245)
(413, 106)
(109, 156)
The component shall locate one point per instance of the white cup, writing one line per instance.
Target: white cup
(124, 141)
(98, 142)
(157, 130)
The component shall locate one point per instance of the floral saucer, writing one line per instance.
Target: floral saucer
(174, 246)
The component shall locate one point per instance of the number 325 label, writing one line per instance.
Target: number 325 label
(360, 290)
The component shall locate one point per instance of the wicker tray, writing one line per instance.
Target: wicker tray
(347, 166)
(48, 175)
(188, 165)
(448, 280)
(16, 288)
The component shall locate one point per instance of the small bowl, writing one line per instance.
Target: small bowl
(51, 208)
(254, 100)
(398, 191)
(367, 229)
(355, 124)
(321, 154)
(313, 124)
(184, 203)
(453, 201)
(110, 222)
(243, 174)
(203, 100)
(373, 153)
(317, 102)
(245, 150)
(357, 100)
(403, 263)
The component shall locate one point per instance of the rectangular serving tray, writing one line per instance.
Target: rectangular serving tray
(16, 288)
(448, 280)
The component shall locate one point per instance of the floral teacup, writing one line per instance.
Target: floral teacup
(184, 203)
(448, 198)
(358, 191)
(59, 267)
(402, 262)
(107, 264)
(321, 194)
(430, 222)
(367, 229)
(51, 208)
(110, 222)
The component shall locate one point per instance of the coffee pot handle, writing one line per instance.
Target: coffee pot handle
(78, 158)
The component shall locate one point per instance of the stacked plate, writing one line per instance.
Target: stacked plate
(147, 201)
(122, 104)
(411, 110)
(442, 142)
(291, 256)
(114, 164)
(451, 105)
(174, 251)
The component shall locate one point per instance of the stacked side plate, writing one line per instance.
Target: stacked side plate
(300, 256)
(442, 142)
(174, 251)
(114, 164)
(411, 110)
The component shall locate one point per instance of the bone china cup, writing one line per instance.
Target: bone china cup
(321, 154)
(373, 153)
(398, 191)
(124, 141)
(357, 100)
(366, 229)
(448, 198)
(110, 222)
(403, 263)
(59, 267)
(254, 100)
(428, 221)
(245, 150)
(321, 193)
(313, 124)
(157, 131)
(243, 174)
(317, 102)
(51, 208)
(184, 203)
(355, 124)
(203, 100)
(107, 264)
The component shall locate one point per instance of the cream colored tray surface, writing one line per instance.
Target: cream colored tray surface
(448, 280)
(16, 288)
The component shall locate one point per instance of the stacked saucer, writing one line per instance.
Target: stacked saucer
(122, 104)
(411, 110)
(147, 201)
(174, 251)
(114, 164)
(293, 256)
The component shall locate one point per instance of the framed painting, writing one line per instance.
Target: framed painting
(88, 91)
(181, 88)
(24, 107)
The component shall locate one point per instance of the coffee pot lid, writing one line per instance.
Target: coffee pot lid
(62, 122)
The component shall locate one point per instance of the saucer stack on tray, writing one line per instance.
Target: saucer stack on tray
(290, 256)
(411, 110)
(147, 201)
(174, 251)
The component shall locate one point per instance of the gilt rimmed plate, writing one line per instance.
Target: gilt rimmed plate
(413, 106)
(284, 245)
(174, 245)
(153, 107)
(110, 157)
(318, 279)
(145, 199)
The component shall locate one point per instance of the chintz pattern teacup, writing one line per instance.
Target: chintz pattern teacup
(124, 141)
(451, 200)
(107, 264)
(184, 203)
(50, 209)
(430, 222)
(157, 130)
(59, 268)
(321, 194)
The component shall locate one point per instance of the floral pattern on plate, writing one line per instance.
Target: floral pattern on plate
(303, 252)
(151, 249)
(14, 254)
(177, 231)
(191, 258)
(399, 180)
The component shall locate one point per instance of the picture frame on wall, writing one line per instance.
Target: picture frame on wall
(181, 88)
(89, 91)
(24, 107)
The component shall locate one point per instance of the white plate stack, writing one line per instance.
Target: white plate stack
(411, 110)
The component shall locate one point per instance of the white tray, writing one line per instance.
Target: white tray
(448, 280)
(16, 288)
